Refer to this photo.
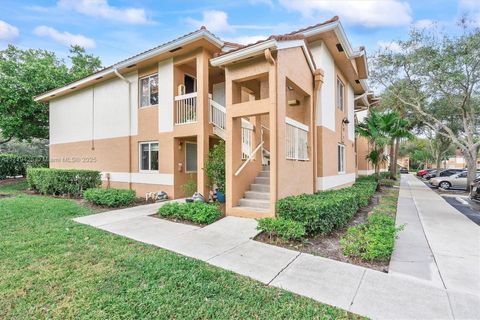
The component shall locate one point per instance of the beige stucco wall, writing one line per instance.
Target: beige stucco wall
(294, 177)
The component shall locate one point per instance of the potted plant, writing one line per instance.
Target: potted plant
(215, 169)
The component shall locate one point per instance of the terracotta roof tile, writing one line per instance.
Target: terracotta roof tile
(295, 35)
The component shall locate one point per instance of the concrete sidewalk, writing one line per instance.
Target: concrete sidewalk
(439, 244)
(228, 244)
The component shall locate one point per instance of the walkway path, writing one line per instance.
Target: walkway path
(228, 244)
(439, 244)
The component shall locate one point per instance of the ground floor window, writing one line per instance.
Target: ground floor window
(341, 158)
(190, 157)
(148, 156)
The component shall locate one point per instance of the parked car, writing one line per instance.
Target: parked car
(421, 173)
(456, 181)
(475, 190)
(403, 170)
(430, 175)
(446, 173)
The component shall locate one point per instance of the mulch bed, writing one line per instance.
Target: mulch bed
(10, 181)
(328, 246)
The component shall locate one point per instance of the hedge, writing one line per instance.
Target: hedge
(325, 211)
(283, 228)
(69, 182)
(12, 165)
(197, 212)
(372, 240)
(109, 197)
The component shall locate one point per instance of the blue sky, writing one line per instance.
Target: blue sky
(117, 29)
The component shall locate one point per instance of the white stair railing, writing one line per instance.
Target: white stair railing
(250, 158)
(217, 114)
(247, 139)
(186, 108)
(296, 139)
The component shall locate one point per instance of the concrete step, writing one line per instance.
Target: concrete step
(265, 168)
(265, 174)
(262, 180)
(263, 210)
(260, 187)
(257, 195)
(254, 203)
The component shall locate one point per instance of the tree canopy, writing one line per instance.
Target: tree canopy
(435, 76)
(27, 73)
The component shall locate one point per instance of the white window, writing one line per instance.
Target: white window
(148, 156)
(341, 158)
(340, 94)
(190, 157)
(149, 91)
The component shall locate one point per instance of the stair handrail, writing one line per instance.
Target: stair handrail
(250, 157)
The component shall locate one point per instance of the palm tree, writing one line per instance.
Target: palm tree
(372, 129)
(394, 128)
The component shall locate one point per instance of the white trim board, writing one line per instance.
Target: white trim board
(365, 172)
(140, 177)
(329, 182)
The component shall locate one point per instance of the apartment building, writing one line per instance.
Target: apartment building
(284, 107)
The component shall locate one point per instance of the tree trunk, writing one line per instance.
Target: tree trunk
(393, 165)
(438, 164)
(470, 156)
(395, 155)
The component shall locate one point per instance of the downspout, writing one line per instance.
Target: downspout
(115, 70)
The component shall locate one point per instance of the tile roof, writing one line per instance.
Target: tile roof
(294, 35)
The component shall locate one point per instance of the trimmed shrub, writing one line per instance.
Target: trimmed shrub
(70, 182)
(325, 211)
(283, 228)
(12, 165)
(197, 212)
(109, 197)
(372, 240)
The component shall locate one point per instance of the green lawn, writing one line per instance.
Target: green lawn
(52, 267)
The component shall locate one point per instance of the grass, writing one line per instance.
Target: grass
(52, 267)
(388, 202)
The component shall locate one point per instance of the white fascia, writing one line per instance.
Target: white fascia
(205, 34)
(247, 52)
(258, 49)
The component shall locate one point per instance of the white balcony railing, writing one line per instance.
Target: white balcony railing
(247, 138)
(186, 108)
(296, 138)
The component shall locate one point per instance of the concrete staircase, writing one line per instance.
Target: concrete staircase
(258, 197)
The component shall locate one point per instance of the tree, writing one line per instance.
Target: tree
(372, 129)
(395, 128)
(433, 70)
(26, 73)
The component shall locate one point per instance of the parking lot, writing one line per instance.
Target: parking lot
(460, 200)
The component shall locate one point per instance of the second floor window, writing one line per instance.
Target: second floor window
(149, 91)
(340, 94)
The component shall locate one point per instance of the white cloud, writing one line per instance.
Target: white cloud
(390, 45)
(65, 38)
(368, 13)
(266, 2)
(213, 20)
(7, 31)
(424, 24)
(247, 39)
(101, 9)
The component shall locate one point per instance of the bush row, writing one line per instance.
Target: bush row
(372, 240)
(282, 228)
(325, 211)
(109, 197)
(12, 165)
(197, 212)
(70, 182)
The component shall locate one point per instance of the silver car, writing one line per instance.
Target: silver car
(456, 181)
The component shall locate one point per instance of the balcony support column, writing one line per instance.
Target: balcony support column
(202, 61)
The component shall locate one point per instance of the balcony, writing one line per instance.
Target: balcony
(186, 108)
